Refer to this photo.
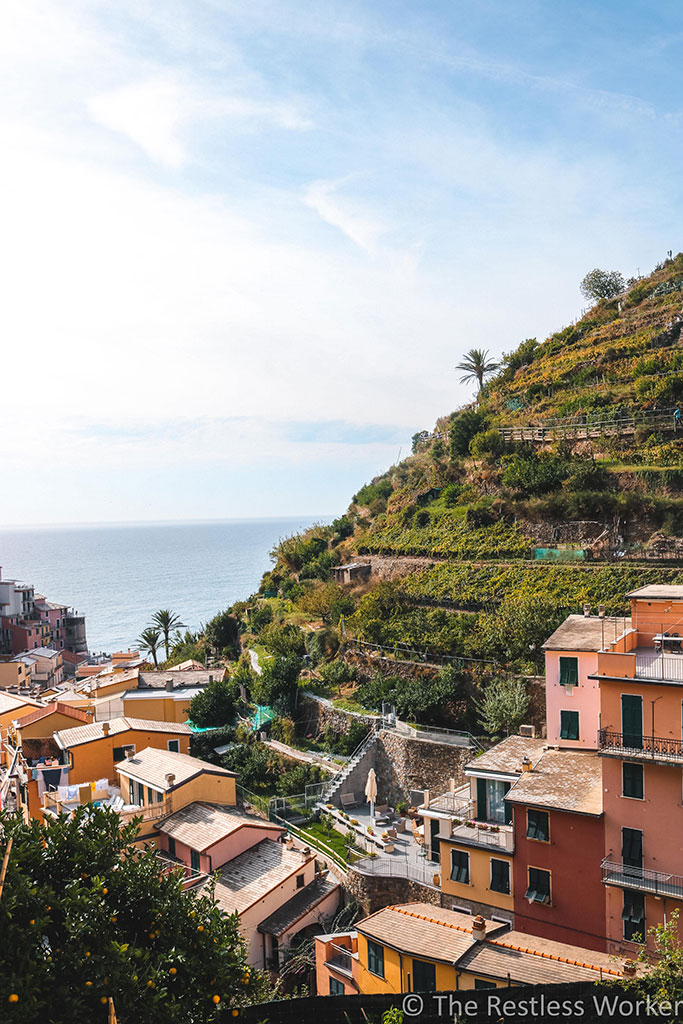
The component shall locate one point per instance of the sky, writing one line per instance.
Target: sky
(244, 244)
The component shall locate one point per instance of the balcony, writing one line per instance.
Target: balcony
(497, 837)
(341, 959)
(653, 664)
(656, 749)
(658, 883)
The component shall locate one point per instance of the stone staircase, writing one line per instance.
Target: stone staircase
(352, 777)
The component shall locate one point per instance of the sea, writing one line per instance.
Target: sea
(119, 575)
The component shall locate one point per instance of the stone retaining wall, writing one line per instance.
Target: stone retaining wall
(376, 891)
(403, 763)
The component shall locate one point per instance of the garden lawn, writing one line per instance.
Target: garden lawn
(335, 840)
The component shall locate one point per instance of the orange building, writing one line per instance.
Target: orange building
(91, 751)
(640, 675)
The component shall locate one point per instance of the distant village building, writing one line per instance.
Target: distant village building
(29, 621)
(355, 572)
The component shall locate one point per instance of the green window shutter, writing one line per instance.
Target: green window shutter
(632, 720)
(569, 725)
(632, 780)
(424, 976)
(500, 876)
(460, 867)
(195, 862)
(481, 800)
(632, 847)
(569, 671)
(539, 886)
(538, 826)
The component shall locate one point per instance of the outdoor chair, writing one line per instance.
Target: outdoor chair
(349, 800)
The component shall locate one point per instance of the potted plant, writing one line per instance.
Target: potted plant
(371, 830)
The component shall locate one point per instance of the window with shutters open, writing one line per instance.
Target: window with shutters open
(537, 825)
(569, 671)
(460, 866)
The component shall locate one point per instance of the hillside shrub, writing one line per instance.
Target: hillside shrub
(462, 429)
(534, 473)
(503, 707)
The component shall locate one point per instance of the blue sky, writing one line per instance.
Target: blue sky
(244, 244)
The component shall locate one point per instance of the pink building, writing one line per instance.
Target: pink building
(572, 691)
(270, 882)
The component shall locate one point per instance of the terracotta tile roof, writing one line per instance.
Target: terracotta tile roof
(421, 929)
(54, 708)
(565, 780)
(95, 730)
(532, 960)
(585, 633)
(247, 878)
(302, 903)
(151, 766)
(506, 757)
(659, 591)
(13, 702)
(201, 825)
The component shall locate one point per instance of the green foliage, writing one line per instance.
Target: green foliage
(283, 640)
(487, 444)
(523, 355)
(277, 684)
(342, 528)
(602, 284)
(448, 533)
(663, 980)
(377, 491)
(149, 642)
(419, 699)
(261, 616)
(477, 366)
(321, 644)
(186, 647)
(259, 768)
(534, 472)
(203, 744)
(503, 707)
(215, 705)
(462, 429)
(86, 915)
(167, 622)
(337, 673)
(223, 633)
(515, 631)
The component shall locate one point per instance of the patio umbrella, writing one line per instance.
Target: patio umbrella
(371, 791)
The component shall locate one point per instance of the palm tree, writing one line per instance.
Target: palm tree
(166, 621)
(477, 366)
(149, 641)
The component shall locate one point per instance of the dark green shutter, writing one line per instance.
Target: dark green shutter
(632, 720)
(569, 671)
(481, 799)
(508, 807)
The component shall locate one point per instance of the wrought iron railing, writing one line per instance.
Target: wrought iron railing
(634, 746)
(659, 883)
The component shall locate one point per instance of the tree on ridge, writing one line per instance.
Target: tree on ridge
(149, 642)
(477, 366)
(167, 621)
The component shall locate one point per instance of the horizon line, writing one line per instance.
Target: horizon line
(164, 522)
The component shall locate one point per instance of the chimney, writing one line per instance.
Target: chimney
(425, 801)
(169, 686)
(586, 610)
(451, 785)
(288, 840)
(170, 779)
(526, 764)
(105, 728)
(479, 928)
(210, 678)
(629, 968)
(130, 754)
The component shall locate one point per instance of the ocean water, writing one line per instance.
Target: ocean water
(119, 575)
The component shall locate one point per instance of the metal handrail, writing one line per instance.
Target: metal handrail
(628, 876)
(640, 746)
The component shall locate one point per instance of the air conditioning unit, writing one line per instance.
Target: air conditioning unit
(528, 730)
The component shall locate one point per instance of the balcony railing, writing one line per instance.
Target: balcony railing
(453, 803)
(647, 748)
(500, 837)
(341, 959)
(659, 883)
(654, 665)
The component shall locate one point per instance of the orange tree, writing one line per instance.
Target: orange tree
(85, 915)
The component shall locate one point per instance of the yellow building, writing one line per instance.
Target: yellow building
(162, 705)
(417, 947)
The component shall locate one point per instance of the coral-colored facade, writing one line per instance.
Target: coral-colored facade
(576, 911)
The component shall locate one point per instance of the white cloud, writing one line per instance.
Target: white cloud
(358, 225)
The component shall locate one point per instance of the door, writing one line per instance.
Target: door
(632, 721)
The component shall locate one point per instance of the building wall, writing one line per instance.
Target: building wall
(648, 618)
(660, 817)
(267, 905)
(661, 719)
(95, 760)
(215, 789)
(584, 698)
(158, 709)
(227, 849)
(576, 913)
(13, 673)
(48, 725)
(479, 888)
(324, 951)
